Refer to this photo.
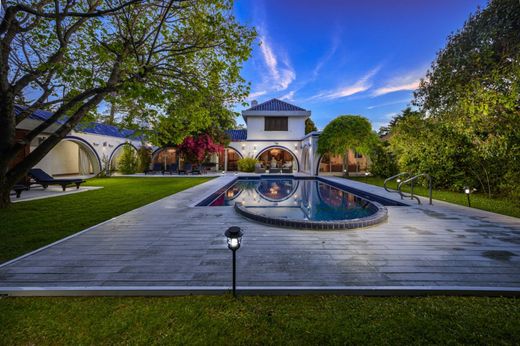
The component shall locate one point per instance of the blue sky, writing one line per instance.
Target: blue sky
(338, 57)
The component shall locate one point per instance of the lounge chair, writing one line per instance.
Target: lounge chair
(275, 170)
(43, 179)
(172, 169)
(156, 168)
(186, 168)
(196, 170)
(259, 168)
(18, 188)
(287, 167)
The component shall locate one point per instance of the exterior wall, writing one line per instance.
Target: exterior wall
(63, 159)
(256, 125)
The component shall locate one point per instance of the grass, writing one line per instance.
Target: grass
(302, 320)
(504, 205)
(29, 225)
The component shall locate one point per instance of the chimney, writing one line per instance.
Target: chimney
(254, 103)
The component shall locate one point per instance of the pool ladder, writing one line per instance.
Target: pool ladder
(410, 181)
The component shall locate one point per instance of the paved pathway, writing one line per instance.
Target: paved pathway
(170, 244)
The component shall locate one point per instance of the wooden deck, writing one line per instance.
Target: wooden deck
(171, 244)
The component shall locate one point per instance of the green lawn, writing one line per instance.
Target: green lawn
(506, 206)
(219, 320)
(29, 225)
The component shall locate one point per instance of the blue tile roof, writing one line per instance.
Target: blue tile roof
(237, 135)
(92, 127)
(275, 105)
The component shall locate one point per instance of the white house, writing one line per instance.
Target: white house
(275, 136)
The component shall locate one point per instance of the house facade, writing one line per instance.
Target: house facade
(275, 136)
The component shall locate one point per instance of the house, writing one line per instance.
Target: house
(86, 150)
(275, 136)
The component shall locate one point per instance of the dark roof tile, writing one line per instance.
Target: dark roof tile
(275, 105)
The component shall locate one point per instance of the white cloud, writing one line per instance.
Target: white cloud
(281, 72)
(256, 94)
(327, 56)
(363, 84)
(408, 81)
(389, 103)
(396, 87)
(289, 96)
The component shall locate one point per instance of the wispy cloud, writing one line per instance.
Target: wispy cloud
(361, 85)
(328, 55)
(289, 96)
(257, 94)
(280, 71)
(389, 103)
(407, 81)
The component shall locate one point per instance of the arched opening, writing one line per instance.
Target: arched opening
(71, 156)
(115, 157)
(230, 155)
(354, 163)
(278, 157)
(165, 156)
(331, 165)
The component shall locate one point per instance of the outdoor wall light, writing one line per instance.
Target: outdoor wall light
(234, 239)
(468, 191)
(104, 144)
(243, 147)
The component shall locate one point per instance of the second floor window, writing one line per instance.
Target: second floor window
(276, 124)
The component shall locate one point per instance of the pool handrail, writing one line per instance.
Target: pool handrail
(392, 178)
(411, 180)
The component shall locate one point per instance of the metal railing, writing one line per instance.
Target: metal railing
(392, 178)
(411, 181)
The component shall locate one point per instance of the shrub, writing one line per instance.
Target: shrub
(383, 161)
(145, 158)
(127, 163)
(247, 164)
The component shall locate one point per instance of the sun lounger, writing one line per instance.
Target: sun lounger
(43, 179)
(156, 168)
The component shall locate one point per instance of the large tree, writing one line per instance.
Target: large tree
(473, 88)
(68, 56)
(347, 132)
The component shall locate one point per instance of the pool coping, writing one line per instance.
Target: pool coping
(376, 291)
(379, 216)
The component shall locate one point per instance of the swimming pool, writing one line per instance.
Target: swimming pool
(301, 203)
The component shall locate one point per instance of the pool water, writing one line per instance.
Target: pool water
(297, 199)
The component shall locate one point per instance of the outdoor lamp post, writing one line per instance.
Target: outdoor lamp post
(468, 191)
(366, 177)
(234, 238)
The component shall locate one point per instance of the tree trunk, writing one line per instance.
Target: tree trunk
(7, 141)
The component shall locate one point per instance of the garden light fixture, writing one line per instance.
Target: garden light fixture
(366, 177)
(234, 239)
(468, 191)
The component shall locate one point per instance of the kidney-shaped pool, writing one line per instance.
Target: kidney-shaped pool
(299, 203)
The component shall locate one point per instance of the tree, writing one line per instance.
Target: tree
(473, 87)
(195, 149)
(128, 162)
(310, 126)
(347, 132)
(73, 54)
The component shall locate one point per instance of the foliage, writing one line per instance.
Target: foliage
(479, 200)
(384, 163)
(473, 90)
(144, 155)
(128, 161)
(30, 225)
(195, 149)
(247, 164)
(347, 132)
(147, 57)
(310, 126)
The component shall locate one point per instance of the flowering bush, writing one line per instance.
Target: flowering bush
(195, 149)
